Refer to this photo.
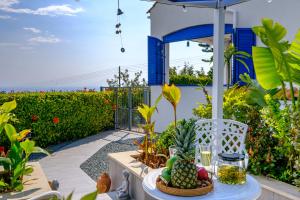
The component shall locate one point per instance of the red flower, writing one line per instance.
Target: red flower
(34, 118)
(55, 120)
(2, 149)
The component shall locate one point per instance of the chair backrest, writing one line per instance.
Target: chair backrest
(231, 135)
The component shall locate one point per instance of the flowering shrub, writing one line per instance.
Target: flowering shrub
(55, 117)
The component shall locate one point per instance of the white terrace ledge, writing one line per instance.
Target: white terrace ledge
(277, 190)
(271, 189)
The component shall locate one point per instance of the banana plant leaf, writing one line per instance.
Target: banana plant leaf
(279, 61)
(265, 68)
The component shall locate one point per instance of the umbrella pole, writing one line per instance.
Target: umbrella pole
(218, 75)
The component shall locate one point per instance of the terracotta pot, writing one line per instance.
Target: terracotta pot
(103, 183)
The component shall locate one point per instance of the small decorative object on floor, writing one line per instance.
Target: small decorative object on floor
(103, 183)
(123, 190)
(54, 185)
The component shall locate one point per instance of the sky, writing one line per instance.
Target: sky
(62, 43)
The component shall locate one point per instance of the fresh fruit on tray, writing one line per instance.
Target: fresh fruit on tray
(171, 162)
(181, 176)
(204, 187)
(202, 173)
(166, 176)
(184, 171)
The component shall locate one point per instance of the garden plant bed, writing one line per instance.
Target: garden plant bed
(271, 189)
(36, 184)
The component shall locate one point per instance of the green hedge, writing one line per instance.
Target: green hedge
(56, 117)
(190, 80)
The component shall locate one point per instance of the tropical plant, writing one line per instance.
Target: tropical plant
(15, 162)
(279, 61)
(147, 112)
(255, 93)
(230, 53)
(173, 95)
(240, 56)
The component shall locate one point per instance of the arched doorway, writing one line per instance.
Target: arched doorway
(158, 50)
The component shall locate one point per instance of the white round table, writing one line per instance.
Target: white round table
(249, 191)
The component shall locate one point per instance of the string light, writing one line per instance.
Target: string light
(269, 1)
(184, 9)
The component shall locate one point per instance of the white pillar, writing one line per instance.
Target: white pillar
(218, 65)
(218, 77)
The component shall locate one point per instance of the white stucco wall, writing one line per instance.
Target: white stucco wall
(285, 12)
(190, 96)
(166, 19)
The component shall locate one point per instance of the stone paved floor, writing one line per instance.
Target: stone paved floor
(64, 164)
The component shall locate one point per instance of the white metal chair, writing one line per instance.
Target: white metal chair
(231, 136)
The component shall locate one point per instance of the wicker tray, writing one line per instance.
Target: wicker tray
(183, 192)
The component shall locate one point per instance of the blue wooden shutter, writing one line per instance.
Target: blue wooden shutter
(155, 61)
(244, 39)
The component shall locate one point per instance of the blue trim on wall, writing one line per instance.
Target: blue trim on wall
(155, 61)
(244, 39)
(194, 32)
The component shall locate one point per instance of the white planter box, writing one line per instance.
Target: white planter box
(120, 161)
(271, 189)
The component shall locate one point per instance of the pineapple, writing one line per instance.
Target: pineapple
(184, 171)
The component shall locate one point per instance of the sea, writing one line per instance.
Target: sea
(48, 89)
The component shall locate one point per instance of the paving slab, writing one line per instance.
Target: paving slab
(64, 164)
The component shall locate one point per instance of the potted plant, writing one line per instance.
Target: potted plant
(151, 155)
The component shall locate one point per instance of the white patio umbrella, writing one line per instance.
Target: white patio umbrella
(218, 43)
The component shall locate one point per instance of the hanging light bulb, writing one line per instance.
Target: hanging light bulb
(184, 9)
(269, 1)
(188, 43)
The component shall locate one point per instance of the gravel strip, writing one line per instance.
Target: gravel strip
(98, 163)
